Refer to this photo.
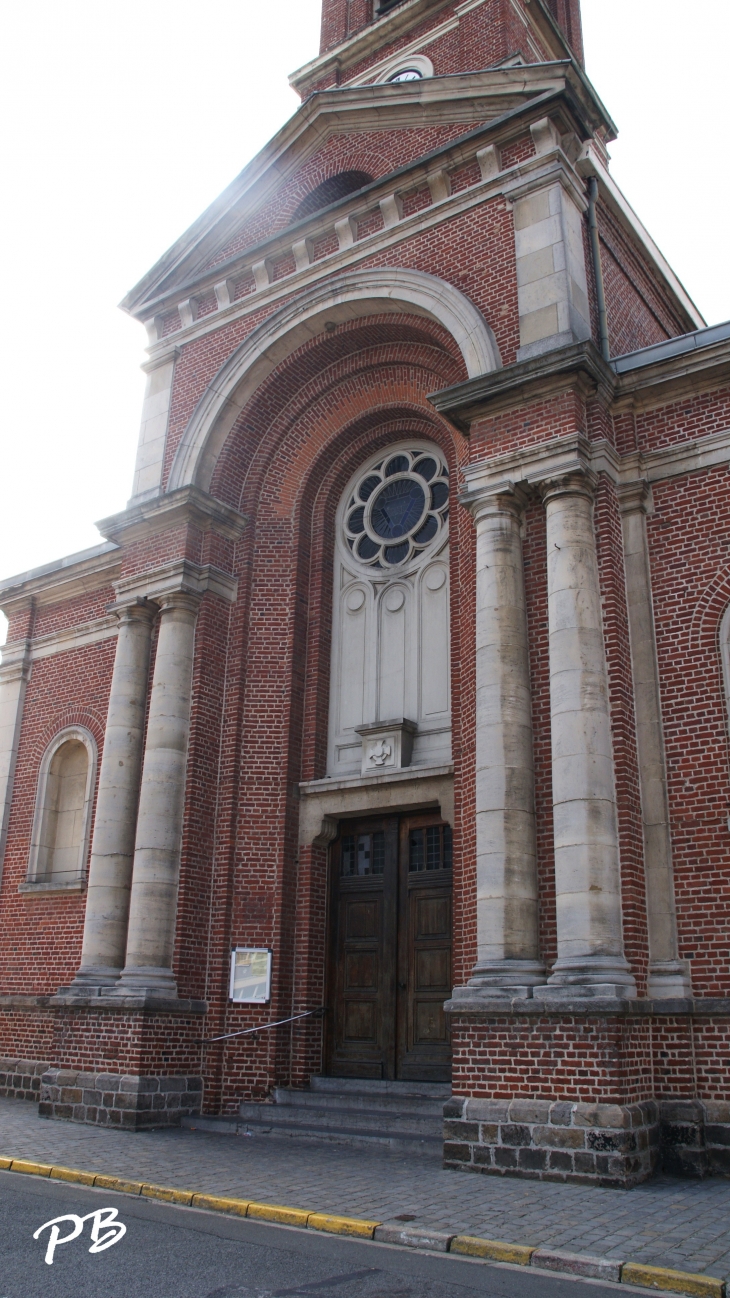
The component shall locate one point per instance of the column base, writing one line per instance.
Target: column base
(508, 978)
(146, 980)
(585, 991)
(93, 980)
(576, 977)
(669, 980)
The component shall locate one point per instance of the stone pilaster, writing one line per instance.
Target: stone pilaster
(14, 674)
(668, 975)
(552, 286)
(112, 849)
(591, 959)
(155, 874)
(507, 942)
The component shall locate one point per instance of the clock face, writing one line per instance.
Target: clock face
(407, 74)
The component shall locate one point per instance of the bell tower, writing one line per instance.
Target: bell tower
(489, 33)
(567, 15)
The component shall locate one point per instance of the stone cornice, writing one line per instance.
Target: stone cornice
(73, 637)
(670, 378)
(579, 366)
(528, 467)
(323, 803)
(65, 580)
(531, 467)
(174, 509)
(659, 378)
(474, 98)
(180, 577)
(15, 665)
(677, 460)
(195, 278)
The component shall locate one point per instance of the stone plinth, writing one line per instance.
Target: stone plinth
(558, 1092)
(115, 1100)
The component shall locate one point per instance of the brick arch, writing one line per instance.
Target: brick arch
(359, 294)
(708, 613)
(63, 721)
(282, 639)
(324, 384)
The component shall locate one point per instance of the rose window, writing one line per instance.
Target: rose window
(397, 508)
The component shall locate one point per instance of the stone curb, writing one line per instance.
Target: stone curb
(636, 1274)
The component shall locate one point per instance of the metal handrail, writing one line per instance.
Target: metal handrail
(209, 1041)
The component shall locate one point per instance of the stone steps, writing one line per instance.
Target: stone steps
(399, 1116)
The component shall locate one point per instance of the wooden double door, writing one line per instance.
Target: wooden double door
(390, 949)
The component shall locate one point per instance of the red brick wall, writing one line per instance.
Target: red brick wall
(40, 936)
(690, 571)
(102, 1040)
(375, 152)
(474, 251)
(596, 1059)
(569, 1058)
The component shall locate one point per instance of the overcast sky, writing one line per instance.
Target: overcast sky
(123, 121)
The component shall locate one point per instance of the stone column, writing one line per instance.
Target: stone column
(591, 958)
(507, 948)
(668, 975)
(112, 847)
(155, 874)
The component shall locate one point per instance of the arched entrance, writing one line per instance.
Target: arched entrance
(389, 950)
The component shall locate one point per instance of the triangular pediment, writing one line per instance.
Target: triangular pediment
(436, 112)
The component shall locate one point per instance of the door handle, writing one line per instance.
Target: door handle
(403, 987)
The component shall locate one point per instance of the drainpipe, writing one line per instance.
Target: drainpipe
(597, 271)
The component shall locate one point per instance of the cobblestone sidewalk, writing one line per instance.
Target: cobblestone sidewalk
(666, 1222)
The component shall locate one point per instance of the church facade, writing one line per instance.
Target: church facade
(393, 709)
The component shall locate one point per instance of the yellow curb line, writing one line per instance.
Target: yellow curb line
(633, 1273)
(495, 1250)
(660, 1277)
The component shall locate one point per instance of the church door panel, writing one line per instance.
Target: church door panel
(362, 968)
(390, 952)
(424, 950)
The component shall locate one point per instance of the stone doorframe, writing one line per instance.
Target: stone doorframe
(325, 802)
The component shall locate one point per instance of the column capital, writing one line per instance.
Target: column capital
(635, 497)
(136, 609)
(505, 497)
(180, 599)
(574, 480)
(16, 661)
(179, 577)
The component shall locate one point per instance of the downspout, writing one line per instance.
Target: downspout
(597, 270)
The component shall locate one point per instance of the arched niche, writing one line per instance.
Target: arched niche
(62, 820)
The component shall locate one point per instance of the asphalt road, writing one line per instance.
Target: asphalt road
(171, 1252)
